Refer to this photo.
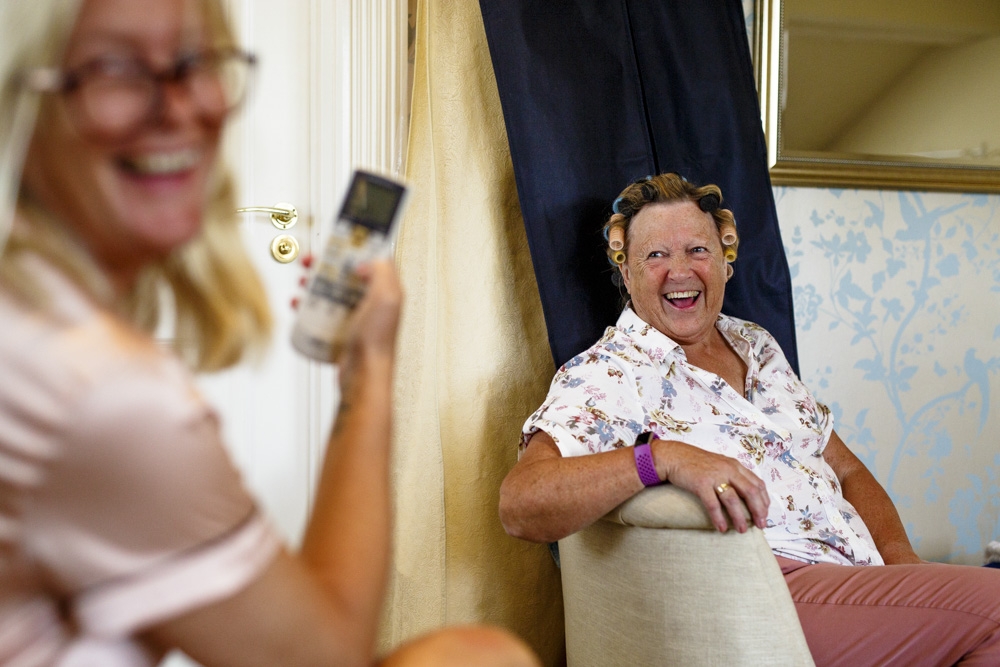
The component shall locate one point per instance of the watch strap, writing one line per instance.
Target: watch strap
(644, 460)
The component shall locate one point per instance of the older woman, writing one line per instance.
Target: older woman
(124, 529)
(678, 393)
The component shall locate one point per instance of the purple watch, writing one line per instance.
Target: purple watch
(644, 460)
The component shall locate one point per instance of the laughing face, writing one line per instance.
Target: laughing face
(675, 270)
(133, 198)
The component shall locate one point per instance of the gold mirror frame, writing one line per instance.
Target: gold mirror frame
(838, 170)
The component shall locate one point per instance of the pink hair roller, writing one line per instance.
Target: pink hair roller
(616, 237)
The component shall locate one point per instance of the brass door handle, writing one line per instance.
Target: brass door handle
(283, 214)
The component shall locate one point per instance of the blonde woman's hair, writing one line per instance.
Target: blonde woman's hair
(32, 34)
(221, 308)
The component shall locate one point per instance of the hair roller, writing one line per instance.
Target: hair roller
(615, 206)
(709, 202)
(615, 219)
(728, 234)
(648, 191)
(616, 237)
(730, 255)
(618, 257)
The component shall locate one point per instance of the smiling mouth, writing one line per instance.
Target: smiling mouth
(161, 164)
(682, 299)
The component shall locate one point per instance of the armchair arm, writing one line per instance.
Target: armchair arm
(653, 583)
(664, 506)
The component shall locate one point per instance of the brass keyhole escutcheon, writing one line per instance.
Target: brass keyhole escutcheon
(284, 248)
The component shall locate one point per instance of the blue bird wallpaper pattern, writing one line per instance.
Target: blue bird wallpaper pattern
(897, 310)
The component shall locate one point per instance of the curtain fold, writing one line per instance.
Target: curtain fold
(473, 356)
(596, 95)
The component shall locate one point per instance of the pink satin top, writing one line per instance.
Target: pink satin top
(119, 507)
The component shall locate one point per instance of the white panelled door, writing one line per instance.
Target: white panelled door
(328, 96)
(273, 409)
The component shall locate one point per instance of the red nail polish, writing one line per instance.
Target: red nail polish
(295, 303)
(307, 261)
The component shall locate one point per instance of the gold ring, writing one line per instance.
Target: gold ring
(721, 488)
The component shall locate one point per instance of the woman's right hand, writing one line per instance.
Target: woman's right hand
(704, 473)
(373, 325)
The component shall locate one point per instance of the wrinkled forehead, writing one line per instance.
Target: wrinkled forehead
(676, 219)
(148, 26)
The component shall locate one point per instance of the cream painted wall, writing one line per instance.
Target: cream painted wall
(946, 103)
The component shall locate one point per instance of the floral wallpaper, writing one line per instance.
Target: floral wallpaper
(897, 312)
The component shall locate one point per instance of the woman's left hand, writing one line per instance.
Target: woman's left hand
(722, 483)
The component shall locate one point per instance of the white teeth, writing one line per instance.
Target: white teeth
(164, 163)
(682, 295)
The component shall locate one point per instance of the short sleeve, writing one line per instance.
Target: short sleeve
(592, 406)
(142, 516)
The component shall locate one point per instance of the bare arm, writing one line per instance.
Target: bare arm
(546, 497)
(347, 539)
(322, 607)
(863, 491)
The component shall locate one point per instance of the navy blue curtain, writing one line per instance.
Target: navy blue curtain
(597, 93)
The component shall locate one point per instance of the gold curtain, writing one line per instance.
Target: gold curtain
(473, 360)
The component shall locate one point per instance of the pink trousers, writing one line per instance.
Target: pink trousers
(928, 614)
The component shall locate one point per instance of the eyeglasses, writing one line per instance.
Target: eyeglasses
(113, 96)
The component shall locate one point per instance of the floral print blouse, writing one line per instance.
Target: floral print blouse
(636, 379)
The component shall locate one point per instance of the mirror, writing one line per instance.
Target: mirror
(881, 93)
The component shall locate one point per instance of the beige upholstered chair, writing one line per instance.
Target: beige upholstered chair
(653, 583)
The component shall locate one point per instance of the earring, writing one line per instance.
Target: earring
(729, 271)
